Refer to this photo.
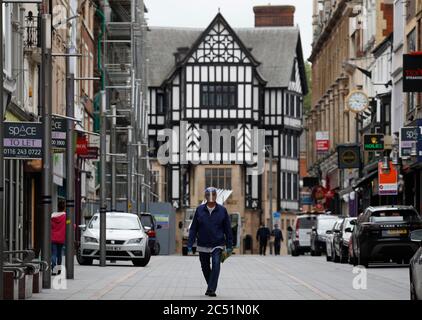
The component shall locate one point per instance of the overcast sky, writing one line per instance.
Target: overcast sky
(239, 14)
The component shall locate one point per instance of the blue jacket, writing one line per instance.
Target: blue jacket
(211, 230)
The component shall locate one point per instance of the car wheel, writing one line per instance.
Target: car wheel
(142, 262)
(363, 261)
(343, 255)
(83, 261)
(412, 291)
(335, 257)
(156, 250)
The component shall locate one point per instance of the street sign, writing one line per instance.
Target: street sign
(22, 140)
(58, 133)
(373, 142)
(92, 154)
(408, 139)
(412, 73)
(387, 180)
(348, 156)
(322, 141)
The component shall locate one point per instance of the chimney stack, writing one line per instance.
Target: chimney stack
(274, 16)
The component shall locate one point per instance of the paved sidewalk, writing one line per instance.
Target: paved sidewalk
(242, 277)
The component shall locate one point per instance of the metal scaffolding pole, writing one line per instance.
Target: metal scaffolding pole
(103, 203)
(1, 157)
(113, 159)
(70, 175)
(47, 156)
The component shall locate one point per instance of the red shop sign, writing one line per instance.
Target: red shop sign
(82, 145)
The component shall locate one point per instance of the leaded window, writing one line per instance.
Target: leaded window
(218, 95)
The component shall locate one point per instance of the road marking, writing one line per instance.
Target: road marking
(300, 281)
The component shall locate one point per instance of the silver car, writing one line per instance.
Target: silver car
(125, 240)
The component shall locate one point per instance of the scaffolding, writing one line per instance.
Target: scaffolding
(124, 75)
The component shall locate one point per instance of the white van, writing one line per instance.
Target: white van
(300, 234)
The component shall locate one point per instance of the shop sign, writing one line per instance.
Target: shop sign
(408, 139)
(91, 154)
(348, 156)
(22, 140)
(81, 145)
(412, 73)
(322, 141)
(373, 142)
(58, 133)
(387, 180)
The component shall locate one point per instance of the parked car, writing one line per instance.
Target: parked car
(341, 240)
(383, 234)
(125, 240)
(150, 225)
(300, 235)
(415, 268)
(329, 246)
(324, 222)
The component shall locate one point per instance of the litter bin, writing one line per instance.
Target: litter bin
(247, 244)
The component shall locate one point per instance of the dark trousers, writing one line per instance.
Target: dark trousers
(56, 255)
(277, 247)
(211, 273)
(262, 247)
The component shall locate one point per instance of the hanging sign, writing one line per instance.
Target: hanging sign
(373, 142)
(58, 134)
(348, 156)
(22, 140)
(387, 180)
(412, 73)
(81, 145)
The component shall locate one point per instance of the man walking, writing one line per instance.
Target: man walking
(278, 237)
(58, 236)
(263, 235)
(212, 228)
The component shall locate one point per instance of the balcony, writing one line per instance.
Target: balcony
(32, 37)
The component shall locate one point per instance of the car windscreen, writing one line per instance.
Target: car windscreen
(307, 222)
(394, 216)
(116, 223)
(147, 221)
(326, 224)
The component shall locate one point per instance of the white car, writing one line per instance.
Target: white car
(125, 240)
(329, 242)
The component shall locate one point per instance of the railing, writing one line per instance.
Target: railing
(32, 32)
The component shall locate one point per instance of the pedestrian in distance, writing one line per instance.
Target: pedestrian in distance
(278, 237)
(263, 235)
(58, 236)
(211, 227)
